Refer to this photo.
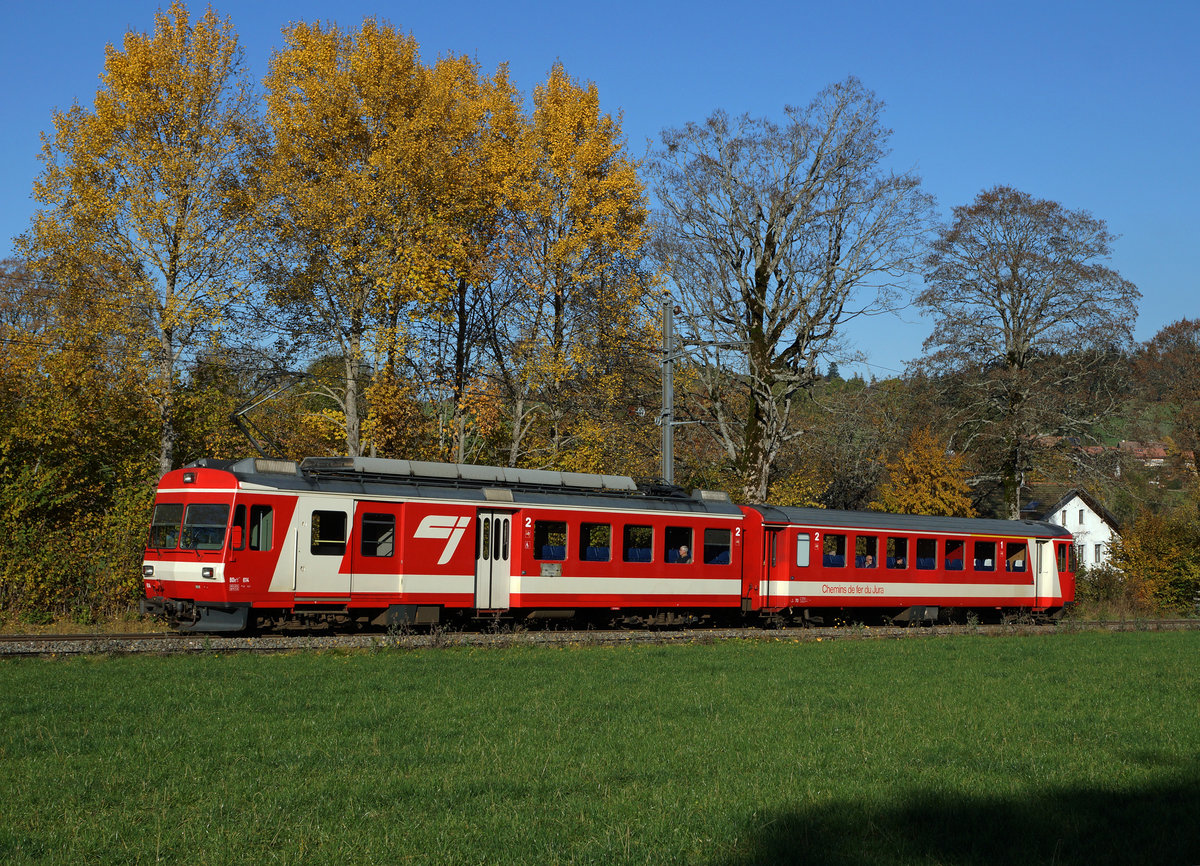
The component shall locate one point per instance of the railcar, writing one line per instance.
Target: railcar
(396, 541)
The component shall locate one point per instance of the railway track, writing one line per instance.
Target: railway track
(176, 643)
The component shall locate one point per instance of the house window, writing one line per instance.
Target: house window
(1099, 553)
(1081, 517)
(1064, 517)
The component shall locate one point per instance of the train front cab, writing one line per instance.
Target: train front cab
(185, 569)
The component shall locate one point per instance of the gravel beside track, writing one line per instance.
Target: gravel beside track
(171, 643)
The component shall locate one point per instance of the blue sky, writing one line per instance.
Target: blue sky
(1092, 104)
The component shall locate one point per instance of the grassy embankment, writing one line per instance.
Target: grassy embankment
(1072, 748)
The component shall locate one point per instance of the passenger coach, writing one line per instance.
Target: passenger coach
(394, 541)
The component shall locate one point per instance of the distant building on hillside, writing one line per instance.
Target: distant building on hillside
(1093, 525)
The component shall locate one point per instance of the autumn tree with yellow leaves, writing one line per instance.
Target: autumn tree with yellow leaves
(576, 312)
(142, 198)
(926, 478)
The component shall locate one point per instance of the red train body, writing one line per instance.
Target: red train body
(394, 541)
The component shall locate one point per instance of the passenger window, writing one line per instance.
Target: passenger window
(717, 546)
(866, 551)
(164, 526)
(954, 554)
(802, 552)
(204, 526)
(550, 540)
(637, 544)
(328, 533)
(261, 527)
(985, 556)
(595, 542)
(833, 550)
(926, 553)
(897, 552)
(378, 534)
(678, 549)
(1018, 554)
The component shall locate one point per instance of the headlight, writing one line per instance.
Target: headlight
(147, 571)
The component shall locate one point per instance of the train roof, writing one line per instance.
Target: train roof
(913, 523)
(368, 477)
(380, 477)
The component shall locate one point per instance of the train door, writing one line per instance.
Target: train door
(493, 558)
(321, 535)
(775, 570)
(1045, 574)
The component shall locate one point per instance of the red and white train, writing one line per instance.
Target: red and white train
(394, 541)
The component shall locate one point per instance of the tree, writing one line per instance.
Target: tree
(1029, 322)
(1167, 367)
(774, 237)
(344, 233)
(926, 478)
(572, 310)
(142, 196)
(1159, 558)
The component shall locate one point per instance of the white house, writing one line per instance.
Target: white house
(1093, 526)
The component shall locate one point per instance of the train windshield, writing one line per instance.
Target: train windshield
(164, 528)
(204, 526)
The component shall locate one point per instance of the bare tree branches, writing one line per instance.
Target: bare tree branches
(775, 236)
(1031, 324)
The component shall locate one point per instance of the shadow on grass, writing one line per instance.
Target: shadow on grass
(1153, 825)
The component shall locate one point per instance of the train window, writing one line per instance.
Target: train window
(926, 553)
(637, 544)
(238, 540)
(866, 551)
(1066, 557)
(897, 552)
(678, 549)
(595, 542)
(504, 525)
(985, 556)
(802, 553)
(378, 534)
(261, 523)
(204, 526)
(328, 533)
(717, 546)
(550, 540)
(483, 539)
(1018, 554)
(164, 526)
(833, 549)
(954, 554)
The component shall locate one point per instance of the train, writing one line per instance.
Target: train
(235, 545)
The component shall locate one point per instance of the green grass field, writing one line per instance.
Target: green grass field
(1071, 748)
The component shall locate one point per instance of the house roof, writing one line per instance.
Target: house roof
(1091, 502)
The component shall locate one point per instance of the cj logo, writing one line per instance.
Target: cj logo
(443, 526)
